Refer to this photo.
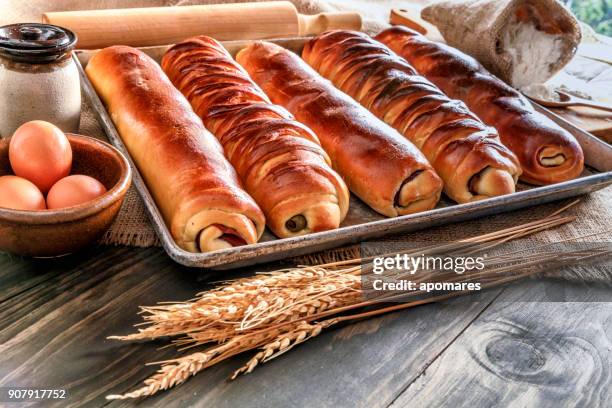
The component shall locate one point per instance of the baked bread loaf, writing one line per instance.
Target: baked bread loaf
(467, 154)
(279, 160)
(193, 184)
(547, 153)
(379, 165)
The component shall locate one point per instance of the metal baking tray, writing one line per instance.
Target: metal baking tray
(361, 223)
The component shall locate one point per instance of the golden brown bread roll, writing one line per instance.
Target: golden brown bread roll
(467, 154)
(279, 160)
(379, 165)
(195, 187)
(547, 153)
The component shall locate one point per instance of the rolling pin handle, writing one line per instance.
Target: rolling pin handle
(318, 23)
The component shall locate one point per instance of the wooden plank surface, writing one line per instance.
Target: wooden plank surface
(527, 351)
(55, 317)
(53, 335)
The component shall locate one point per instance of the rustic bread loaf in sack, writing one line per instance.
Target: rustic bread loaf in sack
(521, 41)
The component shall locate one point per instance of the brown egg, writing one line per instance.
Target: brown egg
(40, 152)
(19, 194)
(74, 190)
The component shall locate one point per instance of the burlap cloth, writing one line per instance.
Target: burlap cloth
(480, 28)
(132, 226)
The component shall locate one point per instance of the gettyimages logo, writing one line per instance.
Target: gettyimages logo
(411, 264)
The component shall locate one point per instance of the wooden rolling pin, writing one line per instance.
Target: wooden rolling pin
(140, 27)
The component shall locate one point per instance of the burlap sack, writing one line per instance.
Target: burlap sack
(477, 26)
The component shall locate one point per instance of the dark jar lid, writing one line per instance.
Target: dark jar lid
(35, 43)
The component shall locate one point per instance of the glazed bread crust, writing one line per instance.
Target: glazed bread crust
(379, 165)
(547, 153)
(279, 160)
(467, 154)
(195, 187)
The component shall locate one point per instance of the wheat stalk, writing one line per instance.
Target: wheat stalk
(283, 343)
(246, 303)
(177, 371)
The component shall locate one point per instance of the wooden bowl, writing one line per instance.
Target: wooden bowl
(59, 232)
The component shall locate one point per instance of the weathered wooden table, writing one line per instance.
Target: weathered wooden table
(541, 343)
